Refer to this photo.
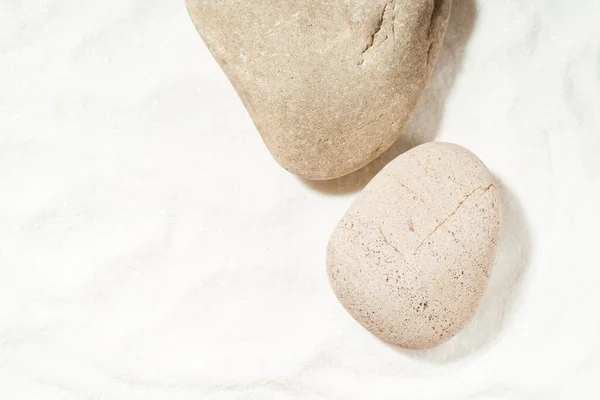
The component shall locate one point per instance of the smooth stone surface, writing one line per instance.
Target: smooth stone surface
(329, 84)
(412, 257)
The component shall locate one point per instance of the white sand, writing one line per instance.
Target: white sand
(150, 247)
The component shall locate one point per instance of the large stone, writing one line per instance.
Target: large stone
(329, 83)
(412, 257)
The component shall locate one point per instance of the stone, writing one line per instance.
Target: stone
(328, 84)
(411, 258)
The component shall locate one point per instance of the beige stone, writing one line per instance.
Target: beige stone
(412, 257)
(329, 83)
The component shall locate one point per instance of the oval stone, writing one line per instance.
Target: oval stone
(412, 257)
(328, 84)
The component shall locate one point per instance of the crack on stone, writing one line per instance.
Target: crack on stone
(393, 3)
(430, 26)
(437, 7)
(369, 123)
(434, 13)
(386, 241)
(377, 29)
(460, 203)
(402, 185)
(379, 146)
(429, 53)
(407, 188)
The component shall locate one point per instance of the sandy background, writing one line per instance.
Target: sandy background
(150, 247)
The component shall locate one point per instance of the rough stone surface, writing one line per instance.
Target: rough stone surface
(329, 84)
(411, 258)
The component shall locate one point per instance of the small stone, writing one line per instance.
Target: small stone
(412, 257)
(329, 84)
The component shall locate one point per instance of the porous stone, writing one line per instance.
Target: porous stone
(412, 257)
(329, 83)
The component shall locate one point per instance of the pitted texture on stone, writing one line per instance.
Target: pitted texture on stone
(329, 84)
(411, 258)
